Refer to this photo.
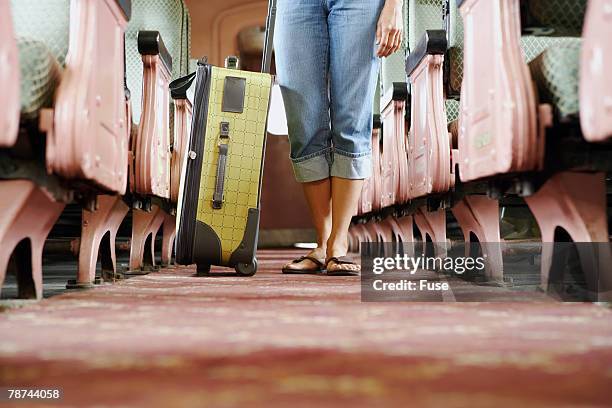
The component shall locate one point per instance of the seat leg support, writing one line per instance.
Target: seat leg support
(479, 215)
(145, 225)
(98, 234)
(432, 224)
(575, 202)
(169, 231)
(27, 214)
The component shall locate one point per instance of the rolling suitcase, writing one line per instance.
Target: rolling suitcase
(218, 205)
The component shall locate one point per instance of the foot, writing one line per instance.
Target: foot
(313, 262)
(338, 263)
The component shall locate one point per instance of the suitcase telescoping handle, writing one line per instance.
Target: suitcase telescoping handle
(269, 38)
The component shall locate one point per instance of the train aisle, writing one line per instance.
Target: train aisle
(172, 339)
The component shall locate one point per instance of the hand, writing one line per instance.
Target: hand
(389, 31)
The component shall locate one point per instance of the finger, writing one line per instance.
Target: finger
(389, 45)
(384, 40)
(393, 44)
(398, 42)
(384, 52)
(378, 34)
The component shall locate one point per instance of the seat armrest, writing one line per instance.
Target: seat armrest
(151, 43)
(433, 42)
(399, 92)
(180, 86)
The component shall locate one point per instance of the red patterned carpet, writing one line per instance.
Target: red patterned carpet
(173, 340)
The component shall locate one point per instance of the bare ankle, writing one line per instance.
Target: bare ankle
(337, 249)
(319, 251)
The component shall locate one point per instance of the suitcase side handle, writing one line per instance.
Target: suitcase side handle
(217, 201)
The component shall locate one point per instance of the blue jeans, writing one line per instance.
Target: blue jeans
(327, 69)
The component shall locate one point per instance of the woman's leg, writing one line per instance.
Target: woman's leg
(345, 194)
(318, 196)
(302, 63)
(353, 73)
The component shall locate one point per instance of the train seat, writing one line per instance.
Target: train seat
(429, 141)
(158, 46)
(71, 83)
(34, 54)
(503, 118)
(86, 126)
(394, 95)
(453, 67)
(370, 198)
(429, 148)
(554, 59)
(157, 50)
(376, 179)
(477, 215)
(595, 83)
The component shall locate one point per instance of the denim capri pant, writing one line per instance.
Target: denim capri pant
(327, 69)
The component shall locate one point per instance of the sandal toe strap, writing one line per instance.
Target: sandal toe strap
(310, 258)
(340, 260)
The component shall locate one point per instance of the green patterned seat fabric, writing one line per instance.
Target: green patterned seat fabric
(193, 65)
(455, 44)
(376, 108)
(534, 45)
(186, 41)
(40, 74)
(41, 29)
(452, 110)
(171, 19)
(428, 15)
(564, 16)
(554, 58)
(423, 15)
(45, 21)
(393, 69)
(556, 73)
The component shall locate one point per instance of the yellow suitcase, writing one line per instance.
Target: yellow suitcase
(218, 206)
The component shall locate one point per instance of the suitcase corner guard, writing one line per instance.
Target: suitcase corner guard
(211, 252)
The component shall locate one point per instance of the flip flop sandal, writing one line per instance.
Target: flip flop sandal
(341, 260)
(320, 267)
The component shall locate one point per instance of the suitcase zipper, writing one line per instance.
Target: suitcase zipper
(189, 204)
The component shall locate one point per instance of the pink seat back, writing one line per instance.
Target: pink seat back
(429, 149)
(389, 177)
(9, 79)
(151, 147)
(595, 80)
(498, 129)
(182, 127)
(376, 186)
(90, 129)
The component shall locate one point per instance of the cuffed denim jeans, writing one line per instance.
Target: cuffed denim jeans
(327, 69)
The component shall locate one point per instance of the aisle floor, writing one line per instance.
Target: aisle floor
(170, 339)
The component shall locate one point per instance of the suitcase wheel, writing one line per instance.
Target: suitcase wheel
(203, 270)
(249, 269)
